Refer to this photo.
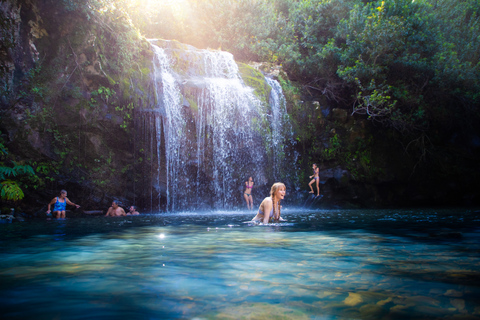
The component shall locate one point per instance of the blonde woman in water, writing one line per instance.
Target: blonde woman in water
(269, 209)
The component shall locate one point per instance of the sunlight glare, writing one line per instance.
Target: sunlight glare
(177, 6)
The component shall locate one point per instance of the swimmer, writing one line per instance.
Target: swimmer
(132, 211)
(248, 192)
(60, 204)
(269, 209)
(316, 178)
(115, 210)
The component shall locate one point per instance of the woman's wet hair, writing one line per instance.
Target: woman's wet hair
(276, 186)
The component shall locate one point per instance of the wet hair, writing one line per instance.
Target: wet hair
(134, 207)
(276, 186)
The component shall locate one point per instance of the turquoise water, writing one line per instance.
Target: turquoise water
(331, 264)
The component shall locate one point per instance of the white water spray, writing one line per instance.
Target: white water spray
(216, 131)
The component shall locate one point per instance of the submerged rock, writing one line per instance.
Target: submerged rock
(353, 299)
(260, 311)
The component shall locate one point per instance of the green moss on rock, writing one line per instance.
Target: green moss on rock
(255, 79)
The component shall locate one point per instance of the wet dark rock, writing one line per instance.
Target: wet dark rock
(446, 235)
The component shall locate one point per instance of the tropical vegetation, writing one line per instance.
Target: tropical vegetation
(409, 67)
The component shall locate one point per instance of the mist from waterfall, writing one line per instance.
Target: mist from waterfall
(216, 131)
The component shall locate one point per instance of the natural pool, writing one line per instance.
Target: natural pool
(328, 264)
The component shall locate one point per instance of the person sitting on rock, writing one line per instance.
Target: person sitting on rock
(60, 204)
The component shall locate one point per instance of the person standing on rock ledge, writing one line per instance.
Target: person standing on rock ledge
(60, 204)
(316, 178)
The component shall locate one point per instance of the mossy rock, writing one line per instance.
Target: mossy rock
(255, 79)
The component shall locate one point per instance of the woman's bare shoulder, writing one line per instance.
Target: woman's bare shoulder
(267, 200)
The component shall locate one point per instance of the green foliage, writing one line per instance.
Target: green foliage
(233, 28)
(11, 191)
(104, 171)
(358, 158)
(375, 38)
(333, 150)
(11, 174)
(127, 113)
(404, 52)
(93, 66)
(402, 63)
(17, 169)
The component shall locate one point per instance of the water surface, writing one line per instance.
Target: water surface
(331, 264)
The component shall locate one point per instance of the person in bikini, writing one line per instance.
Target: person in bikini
(60, 205)
(316, 178)
(269, 210)
(248, 192)
(115, 210)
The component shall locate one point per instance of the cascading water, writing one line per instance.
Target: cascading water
(281, 128)
(168, 97)
(216, 131)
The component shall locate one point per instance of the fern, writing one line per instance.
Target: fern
(11, 191)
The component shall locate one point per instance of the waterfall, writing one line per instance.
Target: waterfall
(216, 130)
(281, 128)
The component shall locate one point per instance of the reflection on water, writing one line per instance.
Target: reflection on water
(337, 264)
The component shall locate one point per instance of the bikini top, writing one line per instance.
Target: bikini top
(249, 186)
(270, 215)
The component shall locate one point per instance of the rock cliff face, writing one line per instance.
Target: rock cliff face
(70, 90)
